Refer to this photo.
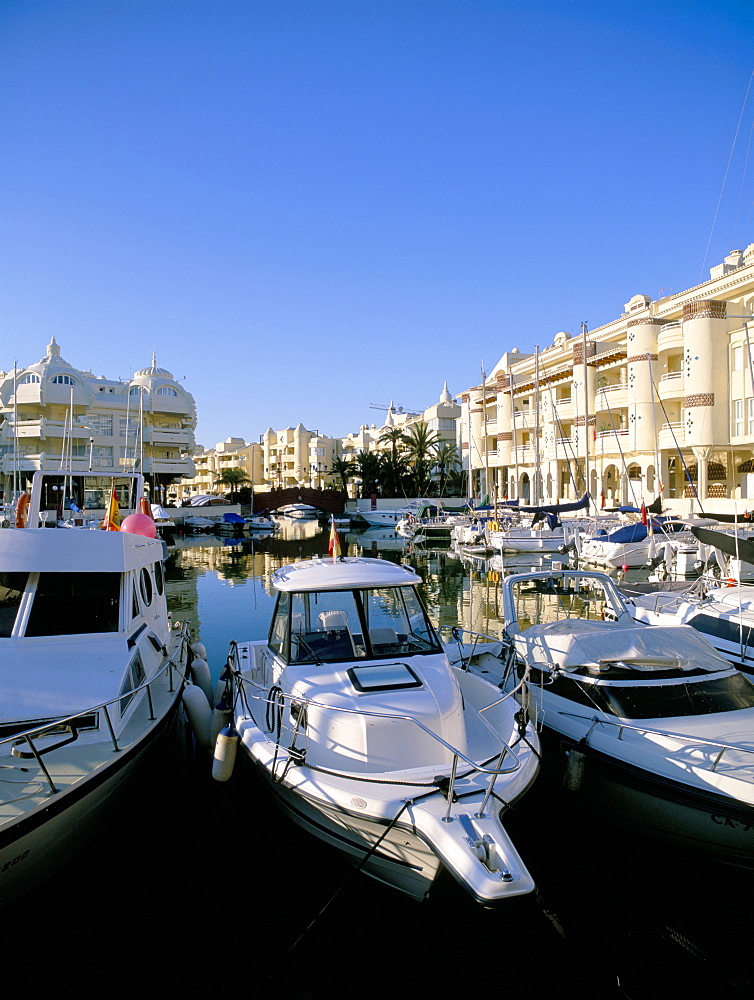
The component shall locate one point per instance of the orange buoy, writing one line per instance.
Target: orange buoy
(22, 509)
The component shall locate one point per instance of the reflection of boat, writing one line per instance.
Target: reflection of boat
(298, 511)
(372, 741)
(653, 724)
(92, 678)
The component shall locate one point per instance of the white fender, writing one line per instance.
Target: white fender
(225, 753)
(199, 649)
(199, 713)
(221, 718)
(200, 676)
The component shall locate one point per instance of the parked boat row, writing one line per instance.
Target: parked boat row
(403, 750)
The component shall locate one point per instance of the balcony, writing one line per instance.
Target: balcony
(608, 397)
(671, 385)
(611, 442)
(670, 337)
(670, 434)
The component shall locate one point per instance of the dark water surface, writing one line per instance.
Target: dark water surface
(205, 887)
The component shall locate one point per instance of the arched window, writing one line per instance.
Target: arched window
(166, 390)
(29, 378)
(63, 380)
(136, 389)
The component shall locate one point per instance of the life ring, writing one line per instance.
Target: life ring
(22, 509)
(494, 526)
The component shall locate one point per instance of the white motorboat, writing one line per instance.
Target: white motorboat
(93, 671)
(370, 740)
(651, 724)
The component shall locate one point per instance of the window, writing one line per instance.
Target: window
(12, 586)
(27, 379)
(63, 380)
(74, 604)
(166, 390)
(136, 389)
(128, 426)
(102, 456)
(135, 676)
(738, 417)
(750, 416)
(146, 586)
(101, 424)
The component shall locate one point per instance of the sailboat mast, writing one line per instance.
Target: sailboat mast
(586, 416)
(536, 425)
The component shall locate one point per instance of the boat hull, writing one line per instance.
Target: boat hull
(36, 843)
(666, 810)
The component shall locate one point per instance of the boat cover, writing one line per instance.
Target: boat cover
(627, 533)
(233, 518)
(739, 548)
(572, 643)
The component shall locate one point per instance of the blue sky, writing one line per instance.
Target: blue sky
(305, 207)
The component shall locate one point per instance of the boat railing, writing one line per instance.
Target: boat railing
(175, 667)
(666, 734)
(273, 701)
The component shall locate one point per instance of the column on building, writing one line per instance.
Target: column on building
(585, 424)
(504, 428)
(705, 361)
(641, 361)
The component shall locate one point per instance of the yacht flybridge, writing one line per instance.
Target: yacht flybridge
(370, 740)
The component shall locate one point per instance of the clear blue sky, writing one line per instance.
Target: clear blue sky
(307, 206)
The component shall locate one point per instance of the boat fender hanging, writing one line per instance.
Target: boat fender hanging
(221, 717)
(224, 757)
(199, 714)
(199, 650)
(575, 767)
(22, 509)
(200, 676)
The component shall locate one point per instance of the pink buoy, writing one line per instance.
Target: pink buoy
(139, 524)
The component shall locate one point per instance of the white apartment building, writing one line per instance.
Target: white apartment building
(211, 463)
(54, 416)
(658, 401)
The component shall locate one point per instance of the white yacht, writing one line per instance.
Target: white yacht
(370, 740)
(92, 671)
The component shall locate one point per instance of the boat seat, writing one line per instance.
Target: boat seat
(383, 637)
(334, 619)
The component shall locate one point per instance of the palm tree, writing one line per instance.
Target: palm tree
(233, 478)
(393, 463)
(369, 468)
(421, 445)
(344, 469)
(446, 460)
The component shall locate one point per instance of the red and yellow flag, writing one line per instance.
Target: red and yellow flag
(112, 514)
(334, 547)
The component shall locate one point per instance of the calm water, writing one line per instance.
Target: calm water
(206, 886)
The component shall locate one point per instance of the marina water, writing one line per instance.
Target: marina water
(202, 886)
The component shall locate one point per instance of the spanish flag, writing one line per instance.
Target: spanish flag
(334, 547)
(112, 514)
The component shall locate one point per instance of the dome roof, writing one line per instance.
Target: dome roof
(154, 370)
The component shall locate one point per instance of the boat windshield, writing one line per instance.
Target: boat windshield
(332, 626)
(12, 587)
(701, 696)
(74, 604)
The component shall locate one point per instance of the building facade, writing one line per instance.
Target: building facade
(658, 402)
(54, 416)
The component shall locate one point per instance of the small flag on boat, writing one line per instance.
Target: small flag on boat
(334, 547)
(112, 514)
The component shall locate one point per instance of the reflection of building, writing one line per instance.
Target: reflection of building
(55, 416)
(660, 400)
